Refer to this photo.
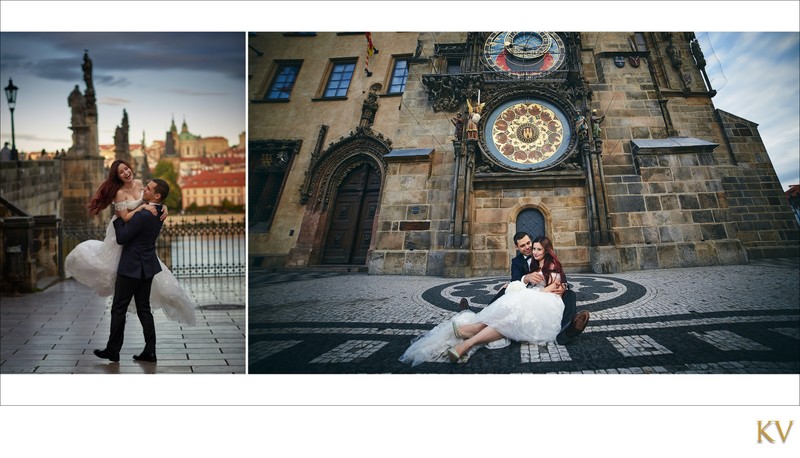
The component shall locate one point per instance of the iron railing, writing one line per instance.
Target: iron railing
(190, 247)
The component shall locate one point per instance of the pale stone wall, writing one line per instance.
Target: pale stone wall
(81, 177)
(494, 224)
(673, 210)
(32, 186)
(302, 118)
(760, 213)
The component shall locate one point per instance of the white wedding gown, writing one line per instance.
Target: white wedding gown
(94, 263)
(521, 314)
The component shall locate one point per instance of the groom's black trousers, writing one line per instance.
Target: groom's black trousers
(126, 288)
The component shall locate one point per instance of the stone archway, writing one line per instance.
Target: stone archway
(352, 217)
(330, 233)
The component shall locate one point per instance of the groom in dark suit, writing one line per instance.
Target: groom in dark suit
(572, 323)
(137, 267)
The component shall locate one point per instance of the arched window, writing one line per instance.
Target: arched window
(531, 221)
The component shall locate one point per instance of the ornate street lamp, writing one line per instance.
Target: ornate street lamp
(11, 97)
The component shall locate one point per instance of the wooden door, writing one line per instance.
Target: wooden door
(350, 231)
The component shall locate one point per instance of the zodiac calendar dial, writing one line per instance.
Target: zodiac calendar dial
(526, 134)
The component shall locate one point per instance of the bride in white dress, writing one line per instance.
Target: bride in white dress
(94, 263)
(523, 314)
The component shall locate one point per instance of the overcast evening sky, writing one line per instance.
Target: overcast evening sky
(199, 77)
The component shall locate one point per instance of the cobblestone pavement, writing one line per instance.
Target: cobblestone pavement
(55, 331)
(709, 320)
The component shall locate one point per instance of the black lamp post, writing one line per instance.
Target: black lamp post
(11, 97)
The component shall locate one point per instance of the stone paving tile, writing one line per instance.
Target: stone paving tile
(56, 330)
(728, 341)
(350, 351)
(263, 350)
(550, 352)
(638, 345)
(647, 314)
(791, 332)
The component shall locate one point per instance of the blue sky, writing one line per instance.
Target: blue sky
(199, 77)
(760, 82)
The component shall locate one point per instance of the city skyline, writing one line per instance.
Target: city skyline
(156, 78)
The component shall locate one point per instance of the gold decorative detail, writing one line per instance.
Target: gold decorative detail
(527, 133)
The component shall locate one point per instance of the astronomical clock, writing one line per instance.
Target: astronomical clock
(526, 125)
(524, 53)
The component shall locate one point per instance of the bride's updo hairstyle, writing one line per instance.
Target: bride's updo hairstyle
(108, 190)
(550, 263)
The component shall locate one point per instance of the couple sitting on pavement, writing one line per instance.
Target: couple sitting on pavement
(536, 306)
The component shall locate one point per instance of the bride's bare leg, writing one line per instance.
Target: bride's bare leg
(486, 335)
(469, 330)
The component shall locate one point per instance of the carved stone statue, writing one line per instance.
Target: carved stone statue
(458, 122)
(78, 106)
(581, 127)
(369, 108)
(674, 55)
(596, 120)
(473, 119)
(697, 53)
(87, 70)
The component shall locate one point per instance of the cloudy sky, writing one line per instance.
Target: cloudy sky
(199, 77)
(759, 81)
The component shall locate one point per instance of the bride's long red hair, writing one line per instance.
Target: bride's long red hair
(108, 190)
(550, 263)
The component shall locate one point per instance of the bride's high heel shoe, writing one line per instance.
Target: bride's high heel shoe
(453, 356)
(456, 332)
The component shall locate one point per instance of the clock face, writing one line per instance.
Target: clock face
(527, 134)
(524, 53)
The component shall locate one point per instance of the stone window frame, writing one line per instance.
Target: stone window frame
(278, 65)
(391, 75)
(329, 71)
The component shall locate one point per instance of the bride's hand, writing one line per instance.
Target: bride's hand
(164, 212)
(560, 289)
(151, 209)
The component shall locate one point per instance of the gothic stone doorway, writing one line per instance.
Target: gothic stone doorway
(350, 231)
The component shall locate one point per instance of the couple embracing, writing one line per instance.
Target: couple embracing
(536, 306)
(125, 264)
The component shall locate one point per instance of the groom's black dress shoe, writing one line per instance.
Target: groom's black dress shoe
(463, 305)
(576, 327)
(149, 357)
(105, 354)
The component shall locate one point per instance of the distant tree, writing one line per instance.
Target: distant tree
(166, 171)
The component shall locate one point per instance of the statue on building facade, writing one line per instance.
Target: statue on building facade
(458, 122)
(473, 119)
(369, 108)
(596, 120)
